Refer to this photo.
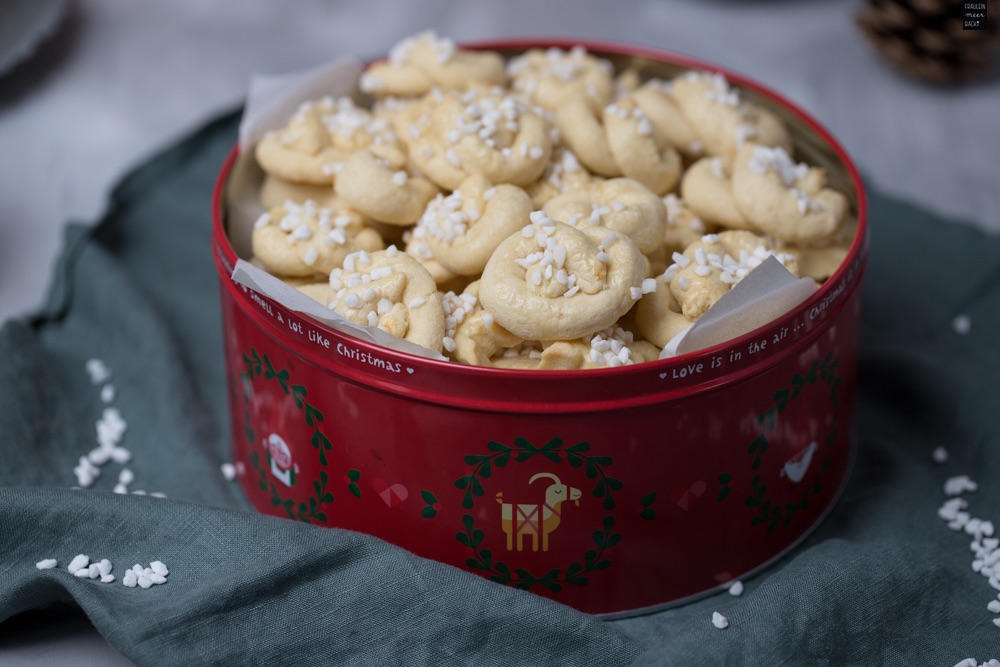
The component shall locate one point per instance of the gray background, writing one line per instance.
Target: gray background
(118, 80)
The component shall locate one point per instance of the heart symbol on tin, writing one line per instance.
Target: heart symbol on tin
(409, 370)
(685, 497)
(391, 494)
(663, 375)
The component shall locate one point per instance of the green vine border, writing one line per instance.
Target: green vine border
(554, 450)
(553, 580)
(257, 365)
(772, 514)
(430, 509)
(306, 513)
(576, 455)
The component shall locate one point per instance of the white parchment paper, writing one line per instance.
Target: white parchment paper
(272, 99)
(764, 295)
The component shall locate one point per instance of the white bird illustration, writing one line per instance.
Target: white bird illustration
(795, 468)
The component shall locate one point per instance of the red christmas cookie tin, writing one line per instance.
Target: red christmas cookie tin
(616, 491)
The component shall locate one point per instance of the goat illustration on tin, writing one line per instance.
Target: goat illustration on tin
(536, 519)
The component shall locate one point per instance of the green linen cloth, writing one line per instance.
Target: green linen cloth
(883, 581)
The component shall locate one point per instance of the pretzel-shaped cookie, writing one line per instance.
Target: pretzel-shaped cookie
(789, 201)
(524, 357)
(552, 281)
(321, 292)
(720, 117)
(425, 61)
(291, 281)
(416, 247)
(620, 204)
(609, 348)
(382, 189)
(480, 131)
(390, 290)
(683, 229)
(658, 315)
(707, 189)
(352, 128)
(472, 335)
(275, 191)
(463, 229)
(320, 136)
(709, 268)
(301, 240)
(653, 97)
(640, 152)
(548, 77)
(683, 226)
(563, 173)
(303, 151)
(819, 262)
(581, 127)
(619, 140)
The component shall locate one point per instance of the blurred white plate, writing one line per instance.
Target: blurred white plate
(23, 25)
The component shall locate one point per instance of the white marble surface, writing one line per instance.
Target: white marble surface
(121, 79)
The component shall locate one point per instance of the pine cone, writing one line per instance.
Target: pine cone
(926, 38)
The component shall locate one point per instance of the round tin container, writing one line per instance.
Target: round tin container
(616, 491)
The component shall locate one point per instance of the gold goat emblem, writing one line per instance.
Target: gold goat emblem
(537, 519)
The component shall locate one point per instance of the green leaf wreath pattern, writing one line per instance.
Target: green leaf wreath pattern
(309, 510)
(765, 512)
(575, 573)
(352, 482)
(431, 507)
(647, 512)
(554, 450)
(257, 365)
(305, 512)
